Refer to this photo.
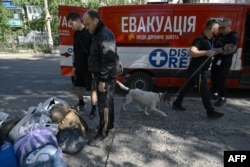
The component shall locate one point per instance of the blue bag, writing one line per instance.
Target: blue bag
(7, 155)
(36, 137)
(45, 156)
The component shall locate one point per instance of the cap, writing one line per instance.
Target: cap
(225, 22)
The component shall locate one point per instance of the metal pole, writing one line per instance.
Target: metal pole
(50, 40)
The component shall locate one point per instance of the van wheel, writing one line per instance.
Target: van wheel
(141, 80)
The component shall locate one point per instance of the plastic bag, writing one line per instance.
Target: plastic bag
(70, 140)
(47, 155)
(31, 110)
(47, 105)
(24, 124)
(36, 137)
(7, 126)
(3, 117)
(7, 155)
(52, 126)
(47, 122)
(44, 119)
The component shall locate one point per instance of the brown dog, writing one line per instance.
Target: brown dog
(67, 117)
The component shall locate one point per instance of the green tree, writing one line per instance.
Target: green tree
(40, 24)
(3, 23)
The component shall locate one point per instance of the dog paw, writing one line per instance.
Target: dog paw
(146, 113)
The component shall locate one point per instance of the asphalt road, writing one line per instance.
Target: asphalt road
(39, 74)
(181, 139)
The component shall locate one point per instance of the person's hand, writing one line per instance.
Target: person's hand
(218, 50)
(229, 48)
(73, 70)
(211, 53)
(101, 86)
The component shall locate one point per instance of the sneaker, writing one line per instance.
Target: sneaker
(178, 107)
(80, 107)
(220, 103)
(214, 97)
(214, 115)
(97, 139)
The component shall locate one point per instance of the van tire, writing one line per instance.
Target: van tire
(141, 80)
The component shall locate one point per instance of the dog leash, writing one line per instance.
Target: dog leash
(191, 77)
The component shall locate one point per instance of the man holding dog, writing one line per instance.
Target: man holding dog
(201, 51)
(101, 60)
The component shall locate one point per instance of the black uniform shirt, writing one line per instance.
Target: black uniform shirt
(202, 43)
(82, 40)
(221, 40)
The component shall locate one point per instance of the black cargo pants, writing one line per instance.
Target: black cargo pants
(200, 79)
(105, 103)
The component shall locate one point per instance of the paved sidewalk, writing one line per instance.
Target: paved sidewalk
(181, 139)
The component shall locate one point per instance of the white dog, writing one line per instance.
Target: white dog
(144, 97)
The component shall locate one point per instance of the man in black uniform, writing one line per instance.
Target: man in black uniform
(201, 52)
(226, 45)
(82, 40)
(101, 63)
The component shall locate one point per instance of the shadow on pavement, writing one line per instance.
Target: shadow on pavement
(181, 139)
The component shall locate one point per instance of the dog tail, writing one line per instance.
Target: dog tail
(122, 86)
